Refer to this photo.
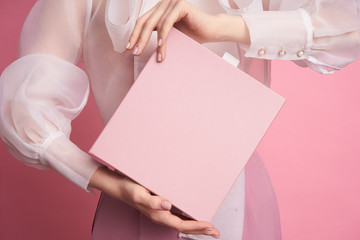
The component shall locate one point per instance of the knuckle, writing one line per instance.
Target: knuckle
(160, 24)
(149, 24)
(163, 25)
(153, 204)
(142, 38)
(164, 32)
(141, 43)
(136, 198)
(139, 21)
(179, 2)
(161, 32)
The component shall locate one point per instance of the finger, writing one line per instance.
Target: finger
(149, 27)
(189, 227)
(161, 55)
(176, 14)
(154, 202)
(162, 19)
(212, 234)
(197, 227)
(162, 36)
(139, 26)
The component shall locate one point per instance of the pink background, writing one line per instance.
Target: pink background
(312, 152)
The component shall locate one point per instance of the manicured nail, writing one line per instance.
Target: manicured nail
(209, 229)
(159, 57)
(165, 205)
(159, 42)
(136, 49)
(128, 45)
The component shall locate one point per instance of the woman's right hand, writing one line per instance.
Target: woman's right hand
(154, 207)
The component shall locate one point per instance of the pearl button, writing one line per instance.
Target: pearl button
(282, 53)
(300, 53)
(262, 52)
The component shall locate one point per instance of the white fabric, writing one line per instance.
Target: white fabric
(40, 95)
(326, 30)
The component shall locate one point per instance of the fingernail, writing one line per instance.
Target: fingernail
(159, 57)
(159, 42)
(136, 49)
(128, 45)
(208, 229)
(165, 205)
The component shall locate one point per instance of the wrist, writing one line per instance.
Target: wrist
(231, 28)
(107, 181)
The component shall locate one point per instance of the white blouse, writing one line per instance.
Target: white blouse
(43, 91)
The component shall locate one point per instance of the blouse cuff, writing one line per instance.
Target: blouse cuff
(283, 35)
(68, 160)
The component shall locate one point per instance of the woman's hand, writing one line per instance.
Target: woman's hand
(154, 207)
(192, 21)
(158, 210)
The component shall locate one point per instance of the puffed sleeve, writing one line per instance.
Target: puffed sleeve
(43, 91)
(320, 34)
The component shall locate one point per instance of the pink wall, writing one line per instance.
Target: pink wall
(312, 152)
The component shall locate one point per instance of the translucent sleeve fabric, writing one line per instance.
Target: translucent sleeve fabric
(320, 34)
(43, 91)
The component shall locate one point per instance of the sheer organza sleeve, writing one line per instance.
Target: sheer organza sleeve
(320, 34)
(43, 91)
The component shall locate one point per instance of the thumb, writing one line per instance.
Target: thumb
(166, 205)
(158, 203)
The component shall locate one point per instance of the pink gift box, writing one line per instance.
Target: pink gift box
(187, 127)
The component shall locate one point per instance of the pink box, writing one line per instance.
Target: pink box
(187, 127)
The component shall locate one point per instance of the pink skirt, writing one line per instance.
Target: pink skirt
(116, 220)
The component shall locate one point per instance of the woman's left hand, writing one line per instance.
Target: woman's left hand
(192, 21)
